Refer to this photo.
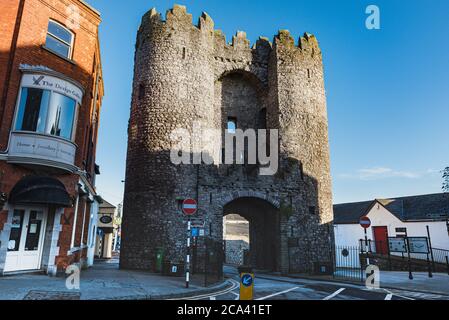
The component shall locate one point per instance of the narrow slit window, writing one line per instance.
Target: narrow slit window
(141, 91)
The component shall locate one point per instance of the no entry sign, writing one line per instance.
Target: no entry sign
(189, 207)
(365, 222)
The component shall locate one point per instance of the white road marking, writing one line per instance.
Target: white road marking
(235, 285)
(389, 296)
(397, 295)
(278, 293)
(336, 293)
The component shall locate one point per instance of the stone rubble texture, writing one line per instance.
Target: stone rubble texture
(185, 73)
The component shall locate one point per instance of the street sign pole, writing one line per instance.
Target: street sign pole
(366, 239)
(189, 208)
(366, 247)
(410, 275)
(189, 229)
(365, 223)
(430, 248)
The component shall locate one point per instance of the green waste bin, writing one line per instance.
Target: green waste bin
(159, 259)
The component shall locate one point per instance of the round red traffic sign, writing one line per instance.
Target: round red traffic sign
(365, 222)
(189, 207)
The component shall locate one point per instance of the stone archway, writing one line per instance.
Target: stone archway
(228, 197)
(262, 213)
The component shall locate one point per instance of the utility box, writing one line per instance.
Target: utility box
(323, 268)
(173, 269)
(159, 260)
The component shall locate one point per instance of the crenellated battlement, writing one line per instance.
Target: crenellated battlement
(240, 40)
(306, 44)
(179, 18)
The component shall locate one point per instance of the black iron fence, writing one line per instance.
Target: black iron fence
(441, 256)
(347, 263)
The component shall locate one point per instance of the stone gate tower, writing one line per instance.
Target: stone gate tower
(185, 73)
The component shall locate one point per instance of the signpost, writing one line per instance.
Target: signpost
(365, 223)
(246, 286)
(410, 275)
(418, 245)
(397, 245)
(430, 248)
(401, 230)
(189, 208)
(405, 244)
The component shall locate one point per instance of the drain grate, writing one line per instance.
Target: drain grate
(52, 295)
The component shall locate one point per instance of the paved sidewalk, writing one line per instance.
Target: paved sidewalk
(438, 284)
(104, 281)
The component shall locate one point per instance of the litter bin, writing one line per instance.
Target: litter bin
(159, 260)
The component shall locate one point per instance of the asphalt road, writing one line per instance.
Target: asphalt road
(269, 287)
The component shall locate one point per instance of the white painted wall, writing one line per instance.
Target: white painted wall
(350, 234)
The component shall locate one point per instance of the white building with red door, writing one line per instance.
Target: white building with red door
(390, 217)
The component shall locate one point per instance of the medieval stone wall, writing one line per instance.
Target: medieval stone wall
(185, 73)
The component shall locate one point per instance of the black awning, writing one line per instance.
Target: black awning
(40, 190)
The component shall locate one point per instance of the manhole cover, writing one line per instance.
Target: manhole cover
(52, 295)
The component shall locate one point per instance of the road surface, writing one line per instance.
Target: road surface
(269, 287)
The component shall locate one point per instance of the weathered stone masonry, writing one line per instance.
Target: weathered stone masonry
(185, 73)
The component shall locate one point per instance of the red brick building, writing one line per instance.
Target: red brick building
(51, 90)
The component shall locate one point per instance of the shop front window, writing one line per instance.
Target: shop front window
(33, 110)
(16, 230)
(60, 116)
(34, 231)
(46, 112)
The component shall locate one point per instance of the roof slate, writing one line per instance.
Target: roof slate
(413, 208)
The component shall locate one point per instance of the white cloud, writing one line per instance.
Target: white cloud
(377, 173)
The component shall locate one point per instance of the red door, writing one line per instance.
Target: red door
(381, 239)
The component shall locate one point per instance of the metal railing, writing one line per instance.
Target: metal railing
(382, 248)
(351, 261)
(347, 264)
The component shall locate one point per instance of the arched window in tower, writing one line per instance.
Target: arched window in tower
(231, 126)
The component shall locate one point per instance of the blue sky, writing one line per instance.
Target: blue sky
(387, 89)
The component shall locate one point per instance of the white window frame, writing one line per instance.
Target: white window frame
(61, 40)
